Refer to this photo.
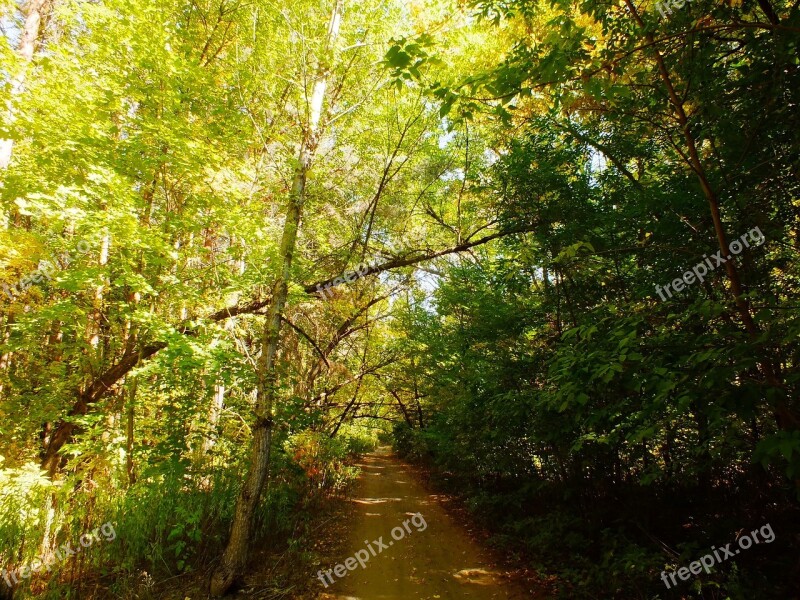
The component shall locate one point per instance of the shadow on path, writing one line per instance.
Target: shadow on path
(427, 558)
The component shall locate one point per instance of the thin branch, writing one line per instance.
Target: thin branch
(308, 337)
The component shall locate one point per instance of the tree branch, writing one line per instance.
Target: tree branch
(310, 341)
(97, 388)
(406, 261)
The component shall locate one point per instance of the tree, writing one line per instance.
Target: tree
(235, 554)
(35, 16)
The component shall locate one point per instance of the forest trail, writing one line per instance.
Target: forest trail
(434, 558)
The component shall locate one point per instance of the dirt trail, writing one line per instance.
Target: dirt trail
(434, 558)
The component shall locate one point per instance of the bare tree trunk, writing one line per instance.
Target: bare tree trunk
(5, 357)
(234, 558)
(416, 394)
(35, 11)
(217, 404)
(95, 325)
(130, 466)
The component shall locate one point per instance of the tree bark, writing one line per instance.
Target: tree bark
(235, 555)
(217, 405)
(35, 11)
(130, 466)
(91, 394)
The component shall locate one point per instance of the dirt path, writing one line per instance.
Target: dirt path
(427, 556)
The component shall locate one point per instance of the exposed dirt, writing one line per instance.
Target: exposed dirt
(428, 557)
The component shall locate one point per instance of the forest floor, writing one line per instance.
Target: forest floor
(439, 554)
(428, 556)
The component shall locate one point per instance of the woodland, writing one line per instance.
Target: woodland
(244, 243)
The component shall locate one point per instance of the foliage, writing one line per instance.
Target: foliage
(521, 175)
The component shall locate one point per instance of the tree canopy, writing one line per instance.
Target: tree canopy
(548, 249)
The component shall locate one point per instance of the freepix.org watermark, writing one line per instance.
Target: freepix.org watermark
(701, 269)
(61, 554)
(709, 560)
(348, 277)
(362, 557)
(664, 6)
(47, 269)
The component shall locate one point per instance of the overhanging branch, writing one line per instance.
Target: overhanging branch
(407, 261)
(102, 384)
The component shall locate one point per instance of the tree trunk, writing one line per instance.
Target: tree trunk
(784, 415)
(214, 413)
(403, 409)
(130, 467)
(5, 358)
(234, 558)
(34, 10)
(95, 325)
